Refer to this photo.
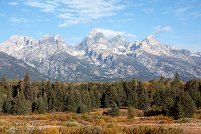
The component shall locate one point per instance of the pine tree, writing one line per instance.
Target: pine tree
(41, 105)
(28, 93)
(109, 96)
(86, 99)
(176, 82)
(51, 99)
(179, 112)
(168, 102)
(132, 96)
(20, 105)
(196, 96)
(185, 107)
(143, 96)
(8, 105)
(97, 96)
(59, 96)
(70, 102)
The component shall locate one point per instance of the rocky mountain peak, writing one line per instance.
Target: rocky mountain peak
(117, 38)
(55, 39)
(22, 40)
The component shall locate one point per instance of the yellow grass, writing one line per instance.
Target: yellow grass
(93, 122)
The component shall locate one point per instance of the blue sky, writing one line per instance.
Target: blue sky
(174, 22)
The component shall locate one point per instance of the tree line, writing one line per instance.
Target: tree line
(168, 97)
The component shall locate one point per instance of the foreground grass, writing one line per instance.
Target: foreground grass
(93, 123)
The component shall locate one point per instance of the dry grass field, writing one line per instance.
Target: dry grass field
(97, 123)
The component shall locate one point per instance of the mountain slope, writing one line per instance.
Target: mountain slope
(13, 68)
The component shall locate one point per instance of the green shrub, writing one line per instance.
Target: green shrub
(131, 113)
(114, 110)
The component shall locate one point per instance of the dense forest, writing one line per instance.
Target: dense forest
(174, 97)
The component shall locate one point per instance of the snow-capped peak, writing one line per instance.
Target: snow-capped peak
(152, 41)
(152, 46)
(20, 39)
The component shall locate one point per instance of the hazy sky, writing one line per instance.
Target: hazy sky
(175, 22)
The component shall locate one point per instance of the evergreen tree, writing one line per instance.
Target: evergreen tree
(41, 105)
(185, 107)
(143, 96)
(8, 105)
(97, 98)
(109, 96)
(179, 112)
(168, 102)
(20, 105)
(70, 102)
(196, 96)
(176, 82)
(86, 99)
(121, 94)
(51, 98)
(28, 93)
(59, 96)
(132, 96)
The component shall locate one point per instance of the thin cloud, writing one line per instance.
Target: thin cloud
(185, 11)
(13, 3)
(162, 29)
(2, 15)
(43, 6)
(110, 33)
(78, 11)
(17, 20)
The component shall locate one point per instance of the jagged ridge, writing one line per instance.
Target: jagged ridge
(100, 58)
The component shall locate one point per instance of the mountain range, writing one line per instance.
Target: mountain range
(96, 58)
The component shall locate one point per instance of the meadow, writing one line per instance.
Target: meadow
(95, 122)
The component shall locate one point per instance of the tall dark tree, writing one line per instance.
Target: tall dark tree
(8, 105)
(176, 82)
(28, 93)
(143, 96)
(51, 98)
(59, 96)
(131, 92)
